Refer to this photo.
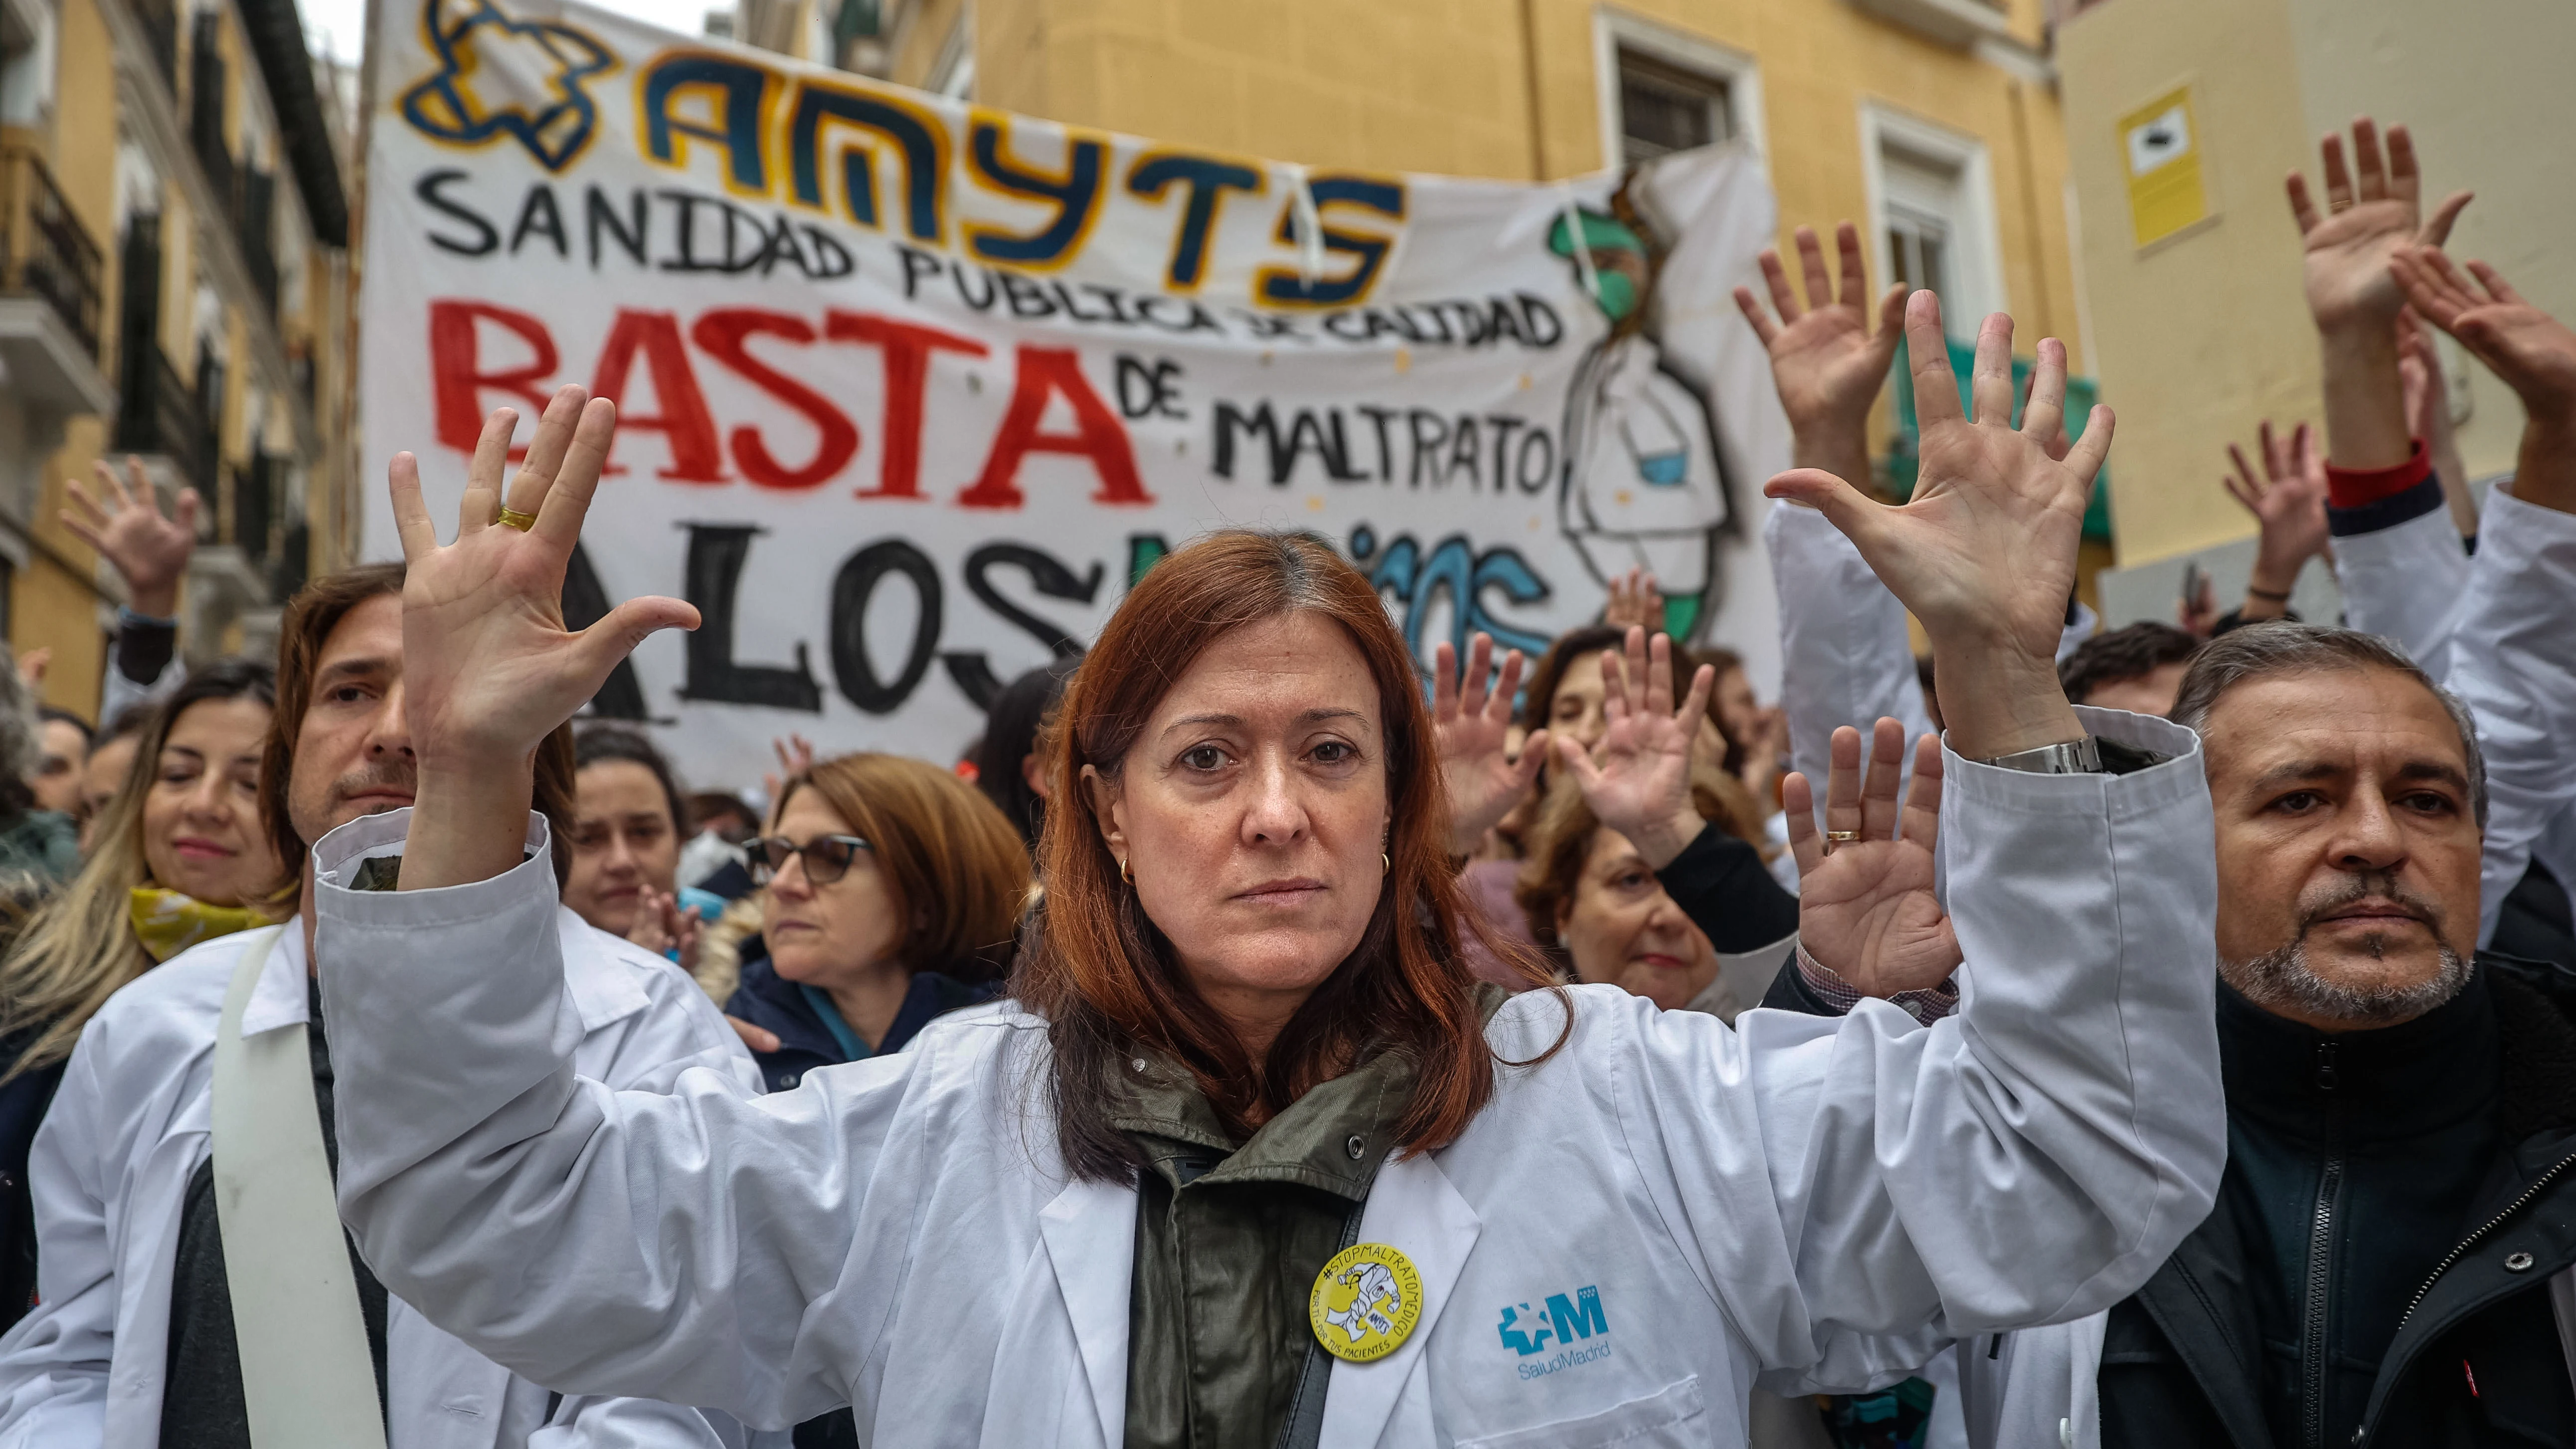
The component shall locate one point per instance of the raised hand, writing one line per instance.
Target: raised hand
(1471, 726)
(1866, 911)
(2289, 503)
(795, 756)
(125, 524)
(2372, 209)
(1637, 779)
(1984, 553)
(488, 668)
(1634, 599)
(660, 926)
(1825, 360)
(2532, 351)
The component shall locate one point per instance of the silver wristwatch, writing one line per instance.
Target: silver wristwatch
(2075, 757)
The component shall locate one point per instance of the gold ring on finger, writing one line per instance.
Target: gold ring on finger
(510, 517)
(1839, 837)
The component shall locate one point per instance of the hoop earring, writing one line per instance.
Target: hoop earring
(1385, 863)
(1126, 874)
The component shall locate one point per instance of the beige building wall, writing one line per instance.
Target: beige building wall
(2199, 337)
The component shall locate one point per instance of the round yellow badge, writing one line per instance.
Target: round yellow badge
(1366, 1302)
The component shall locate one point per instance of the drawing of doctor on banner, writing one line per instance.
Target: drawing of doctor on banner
(1643, 482)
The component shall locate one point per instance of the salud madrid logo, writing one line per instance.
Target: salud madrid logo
(1563, 1322)
(502, 76)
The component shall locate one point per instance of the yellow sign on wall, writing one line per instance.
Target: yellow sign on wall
(2162, 143)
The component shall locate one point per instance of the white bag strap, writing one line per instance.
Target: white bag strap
(308, 1379)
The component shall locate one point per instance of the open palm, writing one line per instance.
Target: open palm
(1866, 908)
(1636, 781)
(1825, 360)
(488, 667)
(2533, 352)
(148, 549)
(1471, 724)
(1987, 544)
(2373, 209)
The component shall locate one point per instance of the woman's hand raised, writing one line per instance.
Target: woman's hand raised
(1866, 911)
(1471, 722)
(488, 668)
(1637, 780)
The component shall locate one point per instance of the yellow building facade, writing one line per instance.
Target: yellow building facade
(1932, 123)
(175, 286)
(2201, 332)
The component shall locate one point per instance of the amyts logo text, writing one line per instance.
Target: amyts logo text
(1562, 1323)
(501, 76)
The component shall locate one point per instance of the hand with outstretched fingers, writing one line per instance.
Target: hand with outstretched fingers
(1984, 553)
(2288, 501)
(148, 550)
(1471, 724)
(1637, 779)
(1634, 599)
(2532, 351)
(1866, 911)
(2372, 210)
(489, 671)
(795, 756)
(1826, 361)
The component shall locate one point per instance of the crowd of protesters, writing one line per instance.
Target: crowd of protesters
(2164, 1035)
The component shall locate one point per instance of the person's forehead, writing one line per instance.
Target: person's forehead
(809, 809)
(2349, 718)
(1297, 663)
(371, 630)
(62, 735)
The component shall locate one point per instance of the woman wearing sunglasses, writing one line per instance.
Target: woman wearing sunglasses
(889, 891)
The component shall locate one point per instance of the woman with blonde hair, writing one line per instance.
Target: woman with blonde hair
(889, 892)
(180, 855)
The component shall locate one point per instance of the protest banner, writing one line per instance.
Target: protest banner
(910, 390)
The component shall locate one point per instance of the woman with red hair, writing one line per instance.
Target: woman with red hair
(1250, 1158)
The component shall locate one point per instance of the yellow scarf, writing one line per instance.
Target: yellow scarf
(167, 922)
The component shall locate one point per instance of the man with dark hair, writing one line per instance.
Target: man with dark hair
(2137, 668)
(180, 1324)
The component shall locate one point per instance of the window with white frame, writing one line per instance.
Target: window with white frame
(1922, 200)
(1665, 107)
(1663, 89)
(1932, 212)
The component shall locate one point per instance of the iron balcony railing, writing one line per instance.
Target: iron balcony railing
(160, 415)
(44, 250)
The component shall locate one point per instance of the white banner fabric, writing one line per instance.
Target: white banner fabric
(911, 390)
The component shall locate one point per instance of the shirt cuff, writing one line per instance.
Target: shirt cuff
(1926, 1005)
(2359, 487)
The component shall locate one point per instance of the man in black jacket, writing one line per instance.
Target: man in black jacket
(2392, 1258)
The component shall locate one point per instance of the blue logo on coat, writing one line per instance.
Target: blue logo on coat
(1563, 1321)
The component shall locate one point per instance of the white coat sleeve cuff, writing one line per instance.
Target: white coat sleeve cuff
(461, 985)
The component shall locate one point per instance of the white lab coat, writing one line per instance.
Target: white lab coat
(130, 1124)
(1796, 1201)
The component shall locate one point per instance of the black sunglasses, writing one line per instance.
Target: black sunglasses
(827, 857)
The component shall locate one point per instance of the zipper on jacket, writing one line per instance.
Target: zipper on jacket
(2313, 1375)
(2460, 1250)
